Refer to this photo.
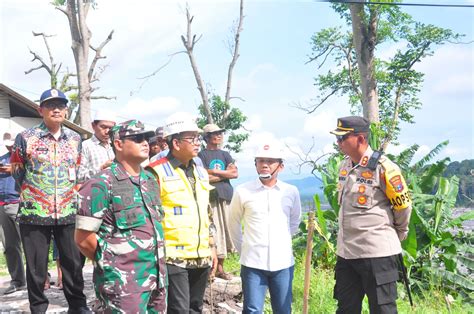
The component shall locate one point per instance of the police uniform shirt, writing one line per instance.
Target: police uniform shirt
(375, 209)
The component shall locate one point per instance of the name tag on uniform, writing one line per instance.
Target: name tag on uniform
(72, 173)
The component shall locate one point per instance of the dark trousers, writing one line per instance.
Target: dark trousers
(374, 277)
(36, 240)
(12, 245)
(186, 287)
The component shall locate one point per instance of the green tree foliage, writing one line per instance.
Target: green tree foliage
(464, 170)
(228, 118)
(397, 82)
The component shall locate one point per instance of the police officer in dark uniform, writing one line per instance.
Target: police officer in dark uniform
(375, 209)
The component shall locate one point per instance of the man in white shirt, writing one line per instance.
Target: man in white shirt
(270, 212)
(97, 153)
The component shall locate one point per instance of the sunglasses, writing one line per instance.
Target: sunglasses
(137, 138)
(342, 138)
(54, 105)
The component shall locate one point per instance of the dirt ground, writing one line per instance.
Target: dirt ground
(226, 296)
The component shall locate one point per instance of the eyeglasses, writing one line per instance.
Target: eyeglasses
(192, 139)
(54, 105)
(137, 138)
(342, 138)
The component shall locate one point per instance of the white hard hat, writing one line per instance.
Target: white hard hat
(269, 150)
(180, 122)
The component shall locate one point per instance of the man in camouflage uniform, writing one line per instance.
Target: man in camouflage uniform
(374, 213)
(118, 226)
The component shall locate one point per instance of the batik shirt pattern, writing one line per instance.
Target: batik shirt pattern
(125, 213)
(45, 170)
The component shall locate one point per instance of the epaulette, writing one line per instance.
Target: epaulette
(388, 165)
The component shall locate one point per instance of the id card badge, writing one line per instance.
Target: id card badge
(72, 173)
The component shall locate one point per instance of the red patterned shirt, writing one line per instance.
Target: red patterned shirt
(45, 170)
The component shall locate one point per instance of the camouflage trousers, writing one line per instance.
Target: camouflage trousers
(153, 301)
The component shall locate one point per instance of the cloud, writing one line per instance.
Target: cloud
(151, 111)
(448, 71)
(253, 123)
(320, 123)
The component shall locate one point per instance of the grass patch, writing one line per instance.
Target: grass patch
(321, 292)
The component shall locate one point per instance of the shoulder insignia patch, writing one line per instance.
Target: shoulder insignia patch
(364, 161)
(396, 182)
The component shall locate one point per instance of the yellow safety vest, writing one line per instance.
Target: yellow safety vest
(186, 220)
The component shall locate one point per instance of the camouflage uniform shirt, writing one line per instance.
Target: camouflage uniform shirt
(125, 213)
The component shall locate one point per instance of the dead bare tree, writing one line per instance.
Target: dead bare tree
(189, 41)
(76, 11)
(63, 83)
(235, 54)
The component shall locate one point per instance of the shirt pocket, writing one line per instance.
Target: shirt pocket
(129, 217)
(173, 185)
(362, 196)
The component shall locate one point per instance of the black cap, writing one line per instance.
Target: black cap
(351, 124)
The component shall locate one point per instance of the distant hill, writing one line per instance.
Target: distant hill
(308, 187)
(464, 170)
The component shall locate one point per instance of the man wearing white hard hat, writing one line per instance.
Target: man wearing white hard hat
(97, 153)
(269, 210)
(188, 228)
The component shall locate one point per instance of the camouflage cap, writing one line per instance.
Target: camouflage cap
(129, 128)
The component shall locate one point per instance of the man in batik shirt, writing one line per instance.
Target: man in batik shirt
(44, 162)
(118, 226)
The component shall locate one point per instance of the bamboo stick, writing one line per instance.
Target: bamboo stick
(308, 265)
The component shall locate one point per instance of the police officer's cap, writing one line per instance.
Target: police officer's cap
(53, 94)
(351, 124)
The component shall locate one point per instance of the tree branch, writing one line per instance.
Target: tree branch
(235, 55)
(98, 55)
(313, 108)
(43, 64)
(147, 77)
(189, 41)
(104, 97)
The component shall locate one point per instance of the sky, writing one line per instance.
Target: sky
(270, 75)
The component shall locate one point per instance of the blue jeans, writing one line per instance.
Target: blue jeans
(255, 283)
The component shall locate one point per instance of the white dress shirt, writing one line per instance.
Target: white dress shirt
(269, 216)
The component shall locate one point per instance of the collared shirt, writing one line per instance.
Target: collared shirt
(93, 155)
(45, 169)
(190, 262)
(270, 216)
(125, 212)
(166, 153)
(375, 208)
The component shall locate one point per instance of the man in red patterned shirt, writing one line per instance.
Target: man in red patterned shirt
(44, 162)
